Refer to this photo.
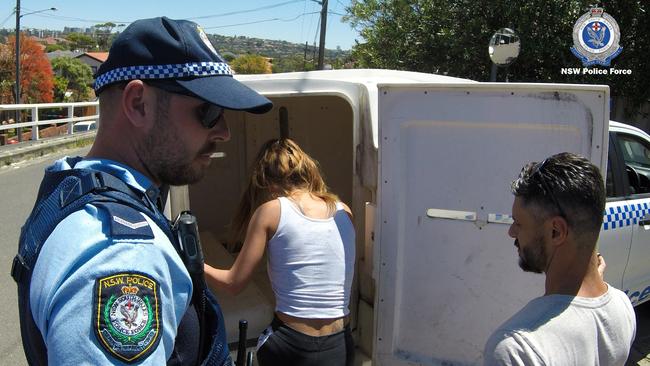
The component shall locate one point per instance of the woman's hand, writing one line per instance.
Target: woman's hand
(262, 225)
(601, 265)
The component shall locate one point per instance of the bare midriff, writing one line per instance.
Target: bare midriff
(314, 327)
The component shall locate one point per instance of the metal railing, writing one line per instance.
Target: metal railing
(35, 122)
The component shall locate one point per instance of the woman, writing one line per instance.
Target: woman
(288, 210)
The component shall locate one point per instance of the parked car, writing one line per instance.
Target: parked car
(625, 234)
(84, 126)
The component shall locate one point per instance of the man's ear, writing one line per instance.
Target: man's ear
(560, 230)
(137, 104)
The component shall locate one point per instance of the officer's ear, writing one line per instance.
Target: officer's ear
(138, 102)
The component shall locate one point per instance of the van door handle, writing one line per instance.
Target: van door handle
(644, 221)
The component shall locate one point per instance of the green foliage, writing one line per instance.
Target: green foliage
(80, 41)
(292, 63)
(104, 35)
(228, 56)
(251, 64)
(55, 47)
(451, 37)
(73, 76)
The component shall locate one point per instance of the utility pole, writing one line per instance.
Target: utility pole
(304, 59)
(19, 131)
(323, 26)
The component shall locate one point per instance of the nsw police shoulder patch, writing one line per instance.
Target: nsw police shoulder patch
(126, 317)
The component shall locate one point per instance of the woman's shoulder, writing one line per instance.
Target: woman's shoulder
(267, 215)
(269, 207)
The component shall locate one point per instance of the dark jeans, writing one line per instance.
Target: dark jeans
(286, 346)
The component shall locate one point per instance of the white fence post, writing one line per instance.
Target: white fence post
(70, 115)
(35, 126)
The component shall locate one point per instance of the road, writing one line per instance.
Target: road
(19, 185)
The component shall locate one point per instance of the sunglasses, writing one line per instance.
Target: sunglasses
(547, 190)
(210, 114)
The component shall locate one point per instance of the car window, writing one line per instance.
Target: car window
(636, 154)
(634, 150)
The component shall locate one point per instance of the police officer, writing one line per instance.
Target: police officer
(102, 276)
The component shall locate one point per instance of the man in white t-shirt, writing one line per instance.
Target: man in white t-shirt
(580, 320)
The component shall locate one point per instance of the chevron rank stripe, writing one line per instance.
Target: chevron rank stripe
(196, 69)
(132, 225)
(616, 217)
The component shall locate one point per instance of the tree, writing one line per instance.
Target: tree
(451, 37)
(72, 76)
(55, 47)
(292, 63)
(36, 77)
(251, 64)
(80, 41)
(103, 34)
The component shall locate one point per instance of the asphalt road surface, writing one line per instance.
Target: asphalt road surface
(19, 185)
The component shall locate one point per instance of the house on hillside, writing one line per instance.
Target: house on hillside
(93, 59)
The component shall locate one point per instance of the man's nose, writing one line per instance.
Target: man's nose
(220, 131)
(511, 231)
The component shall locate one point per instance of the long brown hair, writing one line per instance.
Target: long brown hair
(280, 167)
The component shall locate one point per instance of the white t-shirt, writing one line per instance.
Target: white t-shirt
(566, 330)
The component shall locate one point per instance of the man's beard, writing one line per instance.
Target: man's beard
(533, 258)
(168, 160)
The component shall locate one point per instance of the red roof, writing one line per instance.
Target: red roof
(99, 56)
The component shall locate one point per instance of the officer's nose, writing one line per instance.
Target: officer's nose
(220, 131)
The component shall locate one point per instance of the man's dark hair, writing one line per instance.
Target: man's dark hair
(567, 185)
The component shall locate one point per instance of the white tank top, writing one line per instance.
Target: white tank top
(311, 263)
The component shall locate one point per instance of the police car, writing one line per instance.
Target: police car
(625, 236)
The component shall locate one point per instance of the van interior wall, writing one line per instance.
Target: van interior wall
(321, 125)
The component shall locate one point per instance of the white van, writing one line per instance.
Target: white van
(425, 162)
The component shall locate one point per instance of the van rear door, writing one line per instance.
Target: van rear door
(447, 272)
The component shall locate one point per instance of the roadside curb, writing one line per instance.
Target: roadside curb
(10, 154)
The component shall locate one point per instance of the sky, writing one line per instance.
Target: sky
(290, 20)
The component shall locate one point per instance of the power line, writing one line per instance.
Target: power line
(260, 21)
(245, 11)
(7, 18)
(94, 21)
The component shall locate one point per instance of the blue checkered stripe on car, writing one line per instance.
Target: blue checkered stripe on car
(617, 217)
(196, 69)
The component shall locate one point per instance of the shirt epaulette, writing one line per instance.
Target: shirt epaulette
(126, 222)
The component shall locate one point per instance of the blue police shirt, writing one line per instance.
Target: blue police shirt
(103, 300)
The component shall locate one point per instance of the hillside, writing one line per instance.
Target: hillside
(269, 48)
(236, 45)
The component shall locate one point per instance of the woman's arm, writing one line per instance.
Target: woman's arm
(260, 229)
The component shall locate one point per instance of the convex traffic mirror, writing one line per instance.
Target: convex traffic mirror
(504, 47)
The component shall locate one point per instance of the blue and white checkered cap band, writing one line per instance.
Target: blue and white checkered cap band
(197, 69)
(619, 216)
